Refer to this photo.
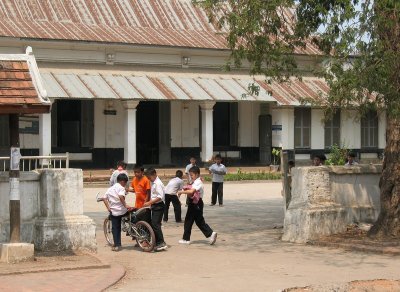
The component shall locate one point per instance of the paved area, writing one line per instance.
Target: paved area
(248, 255)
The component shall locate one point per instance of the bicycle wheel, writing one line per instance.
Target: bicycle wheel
(145, 238)
(108, 232)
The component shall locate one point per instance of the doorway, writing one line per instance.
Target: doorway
(147, 129)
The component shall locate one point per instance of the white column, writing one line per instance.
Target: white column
(207, 130)
(317, 129)
(130, 131)
(45, 136)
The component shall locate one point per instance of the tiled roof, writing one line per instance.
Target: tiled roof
(144, 22)
(113, 84)
(18, 93)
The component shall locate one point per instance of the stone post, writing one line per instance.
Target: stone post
(61, 224)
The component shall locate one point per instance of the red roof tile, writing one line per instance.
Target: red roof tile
(17, 91)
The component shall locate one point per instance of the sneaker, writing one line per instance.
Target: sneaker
(213, 238)
(116, 248)
(182, 241)
(161, 246)
(221, 205)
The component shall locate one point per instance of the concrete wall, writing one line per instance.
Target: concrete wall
(51, 210)
(324, 200)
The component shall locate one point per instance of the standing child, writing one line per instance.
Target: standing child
(141, 186)
(195, 210)
(188, 167)
(171, 189)
(121, 168)
(218, 171)
(114, 199)
(157, 205)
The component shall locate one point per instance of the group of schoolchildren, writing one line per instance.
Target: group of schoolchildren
(151, 192)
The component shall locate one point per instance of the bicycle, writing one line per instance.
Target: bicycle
(141, 231)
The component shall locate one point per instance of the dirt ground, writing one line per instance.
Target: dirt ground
(248, 255)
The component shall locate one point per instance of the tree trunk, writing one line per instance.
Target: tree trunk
(388, 222)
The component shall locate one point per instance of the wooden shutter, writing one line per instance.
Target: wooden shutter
(87, 123)
(233, 124)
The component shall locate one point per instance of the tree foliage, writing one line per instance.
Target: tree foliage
(360, 43)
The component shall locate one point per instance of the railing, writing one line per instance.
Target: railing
(28, 163)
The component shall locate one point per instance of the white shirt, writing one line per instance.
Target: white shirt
(188, 167)
(113, 178)
(198, 186)
(157, 190)
(218, 172)
(173, 186)
(112, 195)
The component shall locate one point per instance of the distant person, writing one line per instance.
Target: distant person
(188, 167)
(218, 170)
(156, 202)
(195, 209)
(319, 160)
(121, 168)
(351, 159)
(114, 200)
(173, 186)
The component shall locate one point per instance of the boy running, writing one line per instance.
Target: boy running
(195, 210)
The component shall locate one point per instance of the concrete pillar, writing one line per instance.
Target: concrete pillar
(207, 130)
(317, 129)
(45, 136)
(130, 132)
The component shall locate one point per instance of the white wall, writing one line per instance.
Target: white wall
(29, 141)
(287, 119)
(317, 129)
(108, 129)
(276, 123)
(184, 124)
(382, 130)
(248, 124)
(350, 129)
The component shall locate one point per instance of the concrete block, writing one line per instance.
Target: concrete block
(68, 233)
(16, 252)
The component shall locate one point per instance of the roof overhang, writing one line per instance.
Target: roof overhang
(21, 89)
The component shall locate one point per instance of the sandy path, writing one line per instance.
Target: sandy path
(248, 255)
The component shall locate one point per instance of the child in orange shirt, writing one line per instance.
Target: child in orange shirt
(141, 187)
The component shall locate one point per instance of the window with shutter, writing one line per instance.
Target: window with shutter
(369, 130)
(302, 127)
(332, 131)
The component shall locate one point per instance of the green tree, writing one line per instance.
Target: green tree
(360, 41)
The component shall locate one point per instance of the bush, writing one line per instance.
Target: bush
(337, 155)
(239, 175)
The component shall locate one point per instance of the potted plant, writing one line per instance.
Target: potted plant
(276, 153)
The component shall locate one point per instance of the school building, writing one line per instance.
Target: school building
(142, 81)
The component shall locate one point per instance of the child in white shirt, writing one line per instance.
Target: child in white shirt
(114, 200)
(195, 210)
(218, 171)
(173, 186)
(156, 202)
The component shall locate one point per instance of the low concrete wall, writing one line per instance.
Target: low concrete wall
(51, 210)
(325, 199)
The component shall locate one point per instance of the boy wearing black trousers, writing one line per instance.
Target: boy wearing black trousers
(195, 209)
(173, 186)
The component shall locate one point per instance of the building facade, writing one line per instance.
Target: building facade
(142, 81)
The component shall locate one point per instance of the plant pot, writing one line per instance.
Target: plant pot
(274, 168)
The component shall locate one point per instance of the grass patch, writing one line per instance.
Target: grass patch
(239, 175)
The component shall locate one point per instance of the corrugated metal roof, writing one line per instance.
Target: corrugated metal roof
(175, 86)
(146, 22)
